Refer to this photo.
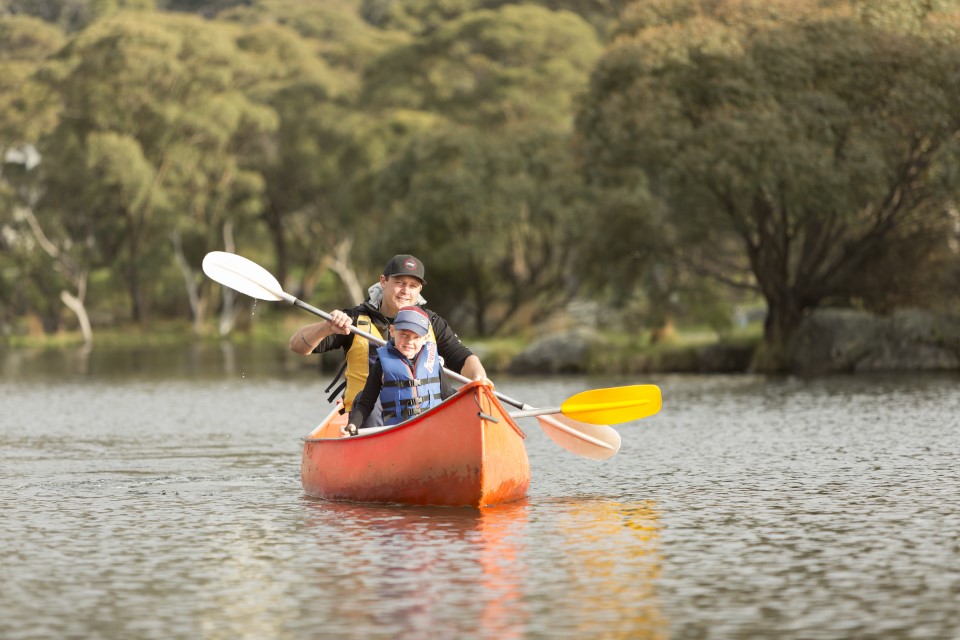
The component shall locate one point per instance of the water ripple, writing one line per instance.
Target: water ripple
(748, 508)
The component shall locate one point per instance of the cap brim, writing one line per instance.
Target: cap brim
(410, 327)
(402, 273)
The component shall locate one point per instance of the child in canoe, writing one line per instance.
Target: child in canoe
(407, 377)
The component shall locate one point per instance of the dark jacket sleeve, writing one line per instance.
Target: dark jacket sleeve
(453, 352)
(366, 400)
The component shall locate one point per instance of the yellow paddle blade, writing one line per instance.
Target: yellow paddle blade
(614, 405)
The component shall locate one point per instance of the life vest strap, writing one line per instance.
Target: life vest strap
(343, 367)
(411, 408)
(337, 391)
(417, 382)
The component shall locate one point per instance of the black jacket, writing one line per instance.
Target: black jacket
(449, 346)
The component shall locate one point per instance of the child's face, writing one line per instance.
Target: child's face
(408, 342)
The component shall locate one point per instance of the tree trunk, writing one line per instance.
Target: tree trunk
(189, 281)
(479, 292)
(275, 226)
(227, 314)
(783, 317)
(76, 305)
(136, 293)
(71, 269)
(340, 264)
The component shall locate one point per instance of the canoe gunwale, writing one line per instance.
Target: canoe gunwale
(483, 415)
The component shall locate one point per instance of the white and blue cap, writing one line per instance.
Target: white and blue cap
(414, 319)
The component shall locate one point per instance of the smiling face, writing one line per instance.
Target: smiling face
(399, 291)
(408, 342)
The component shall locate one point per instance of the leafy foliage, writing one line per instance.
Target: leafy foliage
(491, 68)
(155, 131)
(795, 150)
(802, 149)
(499, 216)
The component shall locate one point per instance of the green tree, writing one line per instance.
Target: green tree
(28, 109)
(790, 144)
(491, 68)
(489, 196)
(26, 106)
(335, 29)
(318, 162)
(498, 217)
(319, 203)
(156, 129)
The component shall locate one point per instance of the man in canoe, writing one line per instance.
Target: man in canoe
(400, 286)
(407, 376)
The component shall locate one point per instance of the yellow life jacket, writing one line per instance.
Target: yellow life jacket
(360, 357)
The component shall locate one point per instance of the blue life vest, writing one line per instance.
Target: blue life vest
(409, 388)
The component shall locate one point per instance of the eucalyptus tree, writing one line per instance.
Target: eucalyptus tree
(154, 129)
(792, 145)
(498, 217)
(317, 164)
(519, 63)
(28, 109)
(335, 29)
(489, 195)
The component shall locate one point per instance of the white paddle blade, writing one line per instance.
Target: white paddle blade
(242, 275)
(594, 441)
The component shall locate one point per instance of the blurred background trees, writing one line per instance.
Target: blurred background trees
(663, 161)
(801, 149)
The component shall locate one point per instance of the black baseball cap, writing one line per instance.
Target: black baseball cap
(405, 265)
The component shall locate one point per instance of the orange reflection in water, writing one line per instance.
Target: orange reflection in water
(418, 558)
(502, 531)
(495, 572)
(612, 563)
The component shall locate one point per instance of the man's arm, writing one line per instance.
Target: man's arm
(473, 369)
(307, 339)
(456, 356)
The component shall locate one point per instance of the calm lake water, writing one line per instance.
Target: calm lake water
(157, 495)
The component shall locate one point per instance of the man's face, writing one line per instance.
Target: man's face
(399, 291)
(408, 342)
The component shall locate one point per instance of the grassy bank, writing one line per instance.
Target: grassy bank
(622, 353)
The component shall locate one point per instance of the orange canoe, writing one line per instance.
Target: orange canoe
(467, 451)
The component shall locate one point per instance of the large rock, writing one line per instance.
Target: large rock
(846, 340)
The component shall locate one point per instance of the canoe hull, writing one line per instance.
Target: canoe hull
(466, 452)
